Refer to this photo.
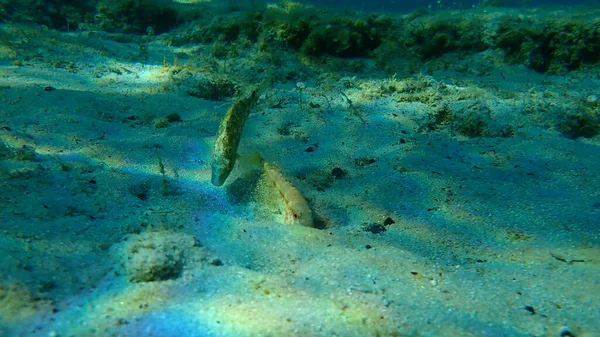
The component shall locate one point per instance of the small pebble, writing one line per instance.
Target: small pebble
(173, 117)
(566, 332)
(375, 228)
(530, 309)
(338, 173)
(161, 123)
(363, 161)
(310, 149)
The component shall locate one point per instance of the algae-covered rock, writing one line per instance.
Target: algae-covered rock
(580, 124)
(342, 37)
(433, 36)
(215, 88)
(548, 44)
(156, 256)
(56, 14)
(125, 16)
(233, 26)
(317, 32)
(136, 16)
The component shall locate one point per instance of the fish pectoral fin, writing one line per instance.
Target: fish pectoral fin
(250, 160)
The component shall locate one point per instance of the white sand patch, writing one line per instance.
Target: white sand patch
(494, 212)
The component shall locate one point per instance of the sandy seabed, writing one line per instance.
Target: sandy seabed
(446, 204)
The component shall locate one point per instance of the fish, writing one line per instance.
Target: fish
(230, 133)
(296, 208)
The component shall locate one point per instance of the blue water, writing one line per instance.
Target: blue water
(403, 6)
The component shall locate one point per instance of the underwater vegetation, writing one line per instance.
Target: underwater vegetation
(129, 16)
(544, 42)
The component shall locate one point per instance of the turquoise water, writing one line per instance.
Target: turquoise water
(432, 172)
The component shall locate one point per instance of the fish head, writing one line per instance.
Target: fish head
(220, 172)
(296, 216)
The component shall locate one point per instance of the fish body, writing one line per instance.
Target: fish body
(296, 210)
(230, 134)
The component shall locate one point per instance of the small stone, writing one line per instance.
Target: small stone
(375, 228)
(592, 99)
(140, 190)
(364, 161)
(566, 332)
(131, 118)
(161, 123)
(155, 256)
(173, 117)
(338, 173)
(388, 221)
(530, 309)
(310, 149)
(217, 262)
